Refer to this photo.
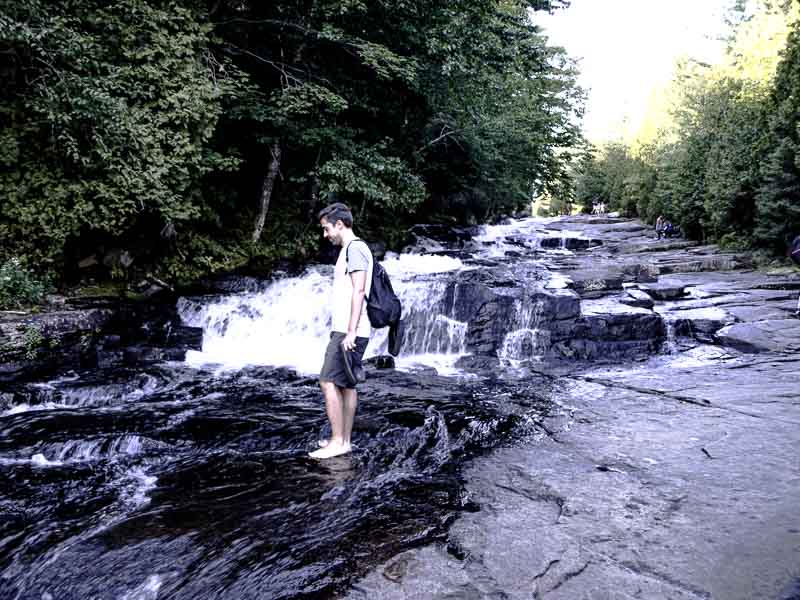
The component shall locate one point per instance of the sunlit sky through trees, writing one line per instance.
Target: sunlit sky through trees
(627, 50)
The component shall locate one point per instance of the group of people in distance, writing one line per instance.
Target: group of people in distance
(665, 228)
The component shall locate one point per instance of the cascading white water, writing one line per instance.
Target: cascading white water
(288, 323)
(525, 341)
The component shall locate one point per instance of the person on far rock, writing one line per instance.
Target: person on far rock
(794, 254)
(659, 226)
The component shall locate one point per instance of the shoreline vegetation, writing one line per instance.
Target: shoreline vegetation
(718, 150)
(190, 139)
(147, 147)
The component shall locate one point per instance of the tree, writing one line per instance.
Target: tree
(106, 116)
(778, 202)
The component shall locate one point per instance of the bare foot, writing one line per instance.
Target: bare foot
(330, 450)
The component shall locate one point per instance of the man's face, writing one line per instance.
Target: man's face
(332, 231)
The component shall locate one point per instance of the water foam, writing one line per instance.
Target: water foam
(288, 323)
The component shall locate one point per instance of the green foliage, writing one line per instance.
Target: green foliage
(150, 125)
(33, 340)
(778, 200)
(615, 176)
(110, 112)
(728, 170)
(18, 286)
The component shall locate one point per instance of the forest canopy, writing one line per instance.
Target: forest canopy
(189, 137)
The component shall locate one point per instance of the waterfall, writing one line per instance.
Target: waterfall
(670, 343)
(525, 340)
(287, 323)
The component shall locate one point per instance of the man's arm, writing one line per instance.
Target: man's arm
(359, 279)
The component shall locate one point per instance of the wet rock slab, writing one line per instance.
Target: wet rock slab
(771, 335)
(665, 481)
(677, 478)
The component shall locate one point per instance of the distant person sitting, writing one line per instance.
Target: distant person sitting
(793, 253)
(659, 226)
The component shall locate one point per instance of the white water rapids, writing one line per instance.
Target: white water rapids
(287, 323)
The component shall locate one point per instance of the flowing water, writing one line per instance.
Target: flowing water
(192, 480)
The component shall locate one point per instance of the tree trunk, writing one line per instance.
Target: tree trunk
(266, 189)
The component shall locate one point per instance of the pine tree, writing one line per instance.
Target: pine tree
(778, 202)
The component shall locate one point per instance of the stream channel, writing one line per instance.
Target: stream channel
(191, 479)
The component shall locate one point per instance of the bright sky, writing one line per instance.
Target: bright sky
(628, 47)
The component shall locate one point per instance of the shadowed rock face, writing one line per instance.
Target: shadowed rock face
(94, 333)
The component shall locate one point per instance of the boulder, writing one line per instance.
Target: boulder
(762, 336)
(663, 291)
(701, 323)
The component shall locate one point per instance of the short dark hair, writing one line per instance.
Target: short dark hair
(337, 212)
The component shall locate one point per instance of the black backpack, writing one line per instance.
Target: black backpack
(383, 305)
(794, 250)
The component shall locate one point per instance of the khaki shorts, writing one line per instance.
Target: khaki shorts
(333, 368)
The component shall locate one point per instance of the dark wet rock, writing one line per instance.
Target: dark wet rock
(490, 324)
(762, 336)
(596, 282)
(37, 343)
(723, 262)
(93, 333)
(781, 284)
(482, 262)
(228, 284)
(479, 363)
(444, 234)
(384, 361)
(570, 243)
(659, 246)
(701, 323)
(639, 273)
(609, 331)
(588, 349)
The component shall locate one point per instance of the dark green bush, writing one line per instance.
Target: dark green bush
(18, 286)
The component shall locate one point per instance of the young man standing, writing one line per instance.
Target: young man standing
(350, 329)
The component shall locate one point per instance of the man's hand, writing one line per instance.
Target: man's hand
(349, 341)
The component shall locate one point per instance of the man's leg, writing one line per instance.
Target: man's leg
(336, 415)
(333, 407)
(349, 405)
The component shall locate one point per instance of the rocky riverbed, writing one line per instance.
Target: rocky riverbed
(613, 416)
(675, 475)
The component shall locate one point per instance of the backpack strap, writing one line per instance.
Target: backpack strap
(347, 261)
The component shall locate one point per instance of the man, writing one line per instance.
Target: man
(793, 252)
(350, 329)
